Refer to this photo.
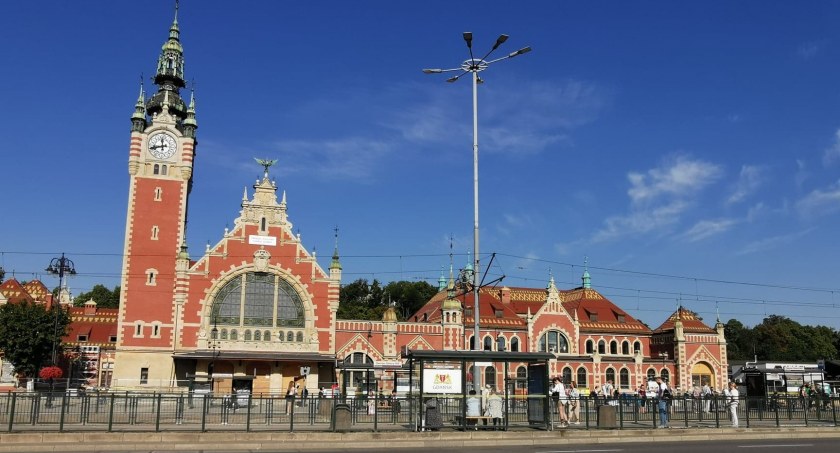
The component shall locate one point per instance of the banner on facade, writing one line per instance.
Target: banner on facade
(441, 381)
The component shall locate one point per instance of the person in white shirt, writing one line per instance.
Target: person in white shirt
(558, 395)
(732, 403)
(706, 394)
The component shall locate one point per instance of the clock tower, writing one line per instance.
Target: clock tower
(160, 166)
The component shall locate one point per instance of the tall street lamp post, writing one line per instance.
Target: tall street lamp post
(475, 65)
(61, 267)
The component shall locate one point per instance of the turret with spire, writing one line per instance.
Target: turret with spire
(169, 76)
(587, 281)
(335, 264)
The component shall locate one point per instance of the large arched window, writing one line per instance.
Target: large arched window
(610, 375)
(637, 347)
(590, 346)
(490, 376)
(613, 347)
(488, 343)
(625, 347)
(500, 344)
(553, 341)
(567, 375)
(581, 377)
(602, 347)
(514, 344)
(651, 374)
(362, 381)
(251, 299)
(624, 378)
(666, 376)
(521, 377)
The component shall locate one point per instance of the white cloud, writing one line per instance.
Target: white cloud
(756, 211)
(660, 196)
(353, 158)
(772, 242)
(706, 228)
(679, 177)
(802, 173)
(641, 221)
(810, 49)
(820, 202)
(833, 153)
(522, 119)
(750, 179)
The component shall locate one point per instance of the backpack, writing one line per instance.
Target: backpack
(666, 394)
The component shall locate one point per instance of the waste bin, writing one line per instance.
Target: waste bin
(606, 416)
(342, 417)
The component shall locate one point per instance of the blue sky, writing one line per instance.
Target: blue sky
(691, 151)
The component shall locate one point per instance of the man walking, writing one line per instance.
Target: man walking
(732, 402)
(662, 396)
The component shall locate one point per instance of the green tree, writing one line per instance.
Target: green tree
(104, 297)
(28, 333)
(740, 341)
(368, 301)
(408, 297)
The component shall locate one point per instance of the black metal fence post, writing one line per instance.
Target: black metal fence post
(747, 412)
(292, 414)
(204, 413)
(157, 413)
(12, 411)
(248, 414)
(63, 410)
(111, 413)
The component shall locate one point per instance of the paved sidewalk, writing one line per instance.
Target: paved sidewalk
(284, 441)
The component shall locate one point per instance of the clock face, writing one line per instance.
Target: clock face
(162, 146)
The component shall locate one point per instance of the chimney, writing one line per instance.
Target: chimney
(90, 308)
(505, 295)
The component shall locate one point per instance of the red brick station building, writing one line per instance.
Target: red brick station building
(256, 307)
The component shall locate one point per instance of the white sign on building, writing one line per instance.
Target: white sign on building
(262, 240)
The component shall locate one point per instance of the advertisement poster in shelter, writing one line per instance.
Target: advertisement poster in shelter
(441, 381)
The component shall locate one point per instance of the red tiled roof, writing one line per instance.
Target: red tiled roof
(585, 302)
(14, 292)
(99, 327)
(597, 313)
(690, 321)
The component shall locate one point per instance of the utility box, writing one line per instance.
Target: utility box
(606, 417)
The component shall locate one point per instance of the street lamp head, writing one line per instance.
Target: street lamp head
(500, 41)
(520, 52)
(452, 79)
(468, 38)
(432, 71)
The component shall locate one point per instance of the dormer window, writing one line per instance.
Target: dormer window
(593, 316)
(82, 338)
(499, 313)
(620, 318)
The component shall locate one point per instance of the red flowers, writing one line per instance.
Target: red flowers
(50, 372)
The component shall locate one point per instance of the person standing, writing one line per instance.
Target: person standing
(707, 396)
(558, 395)
(732, 403)
(663, 394)
(574, 403)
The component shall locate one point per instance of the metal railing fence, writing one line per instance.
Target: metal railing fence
(64, 412)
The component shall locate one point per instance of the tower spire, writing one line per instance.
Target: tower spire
(138, 118)
(587, 281)
(335, 264)
(169, 76)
